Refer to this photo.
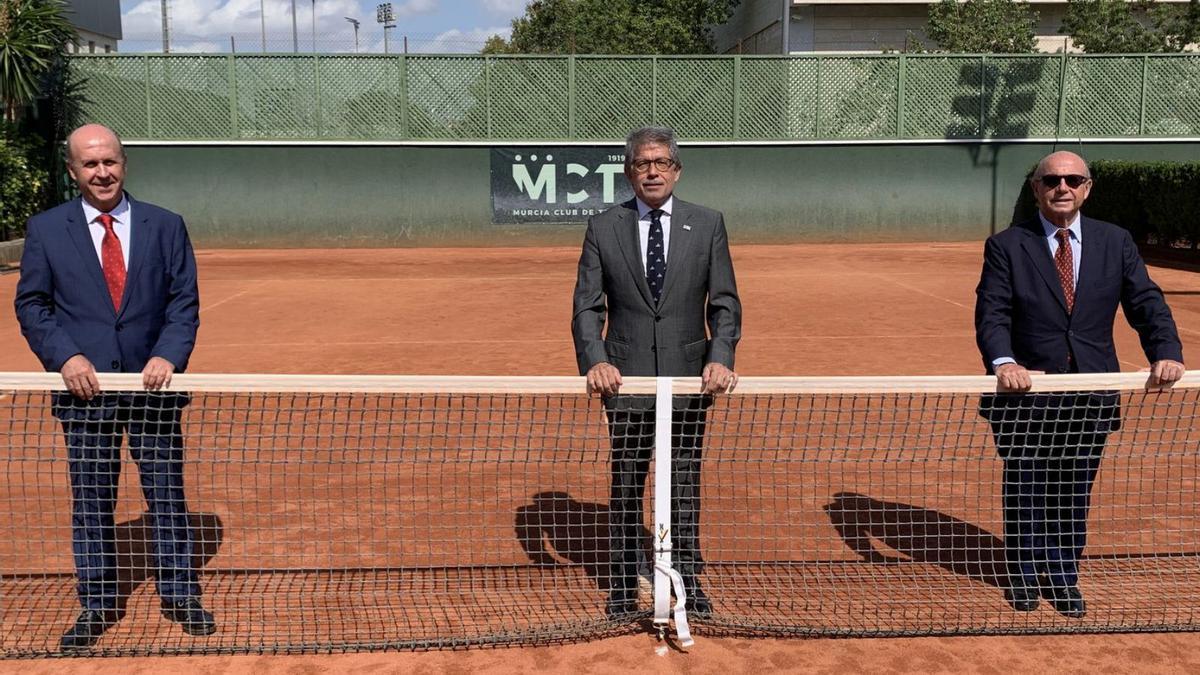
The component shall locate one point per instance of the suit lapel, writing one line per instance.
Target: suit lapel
(681, 241)
(627, 238)
(139, 231)
(77, 230)
(1090, 258)
(1039, 252)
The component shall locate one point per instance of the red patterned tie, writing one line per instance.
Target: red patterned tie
(1065, 263)
(113, 260)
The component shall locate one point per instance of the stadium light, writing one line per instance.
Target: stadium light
(385, 16)
(354, 22)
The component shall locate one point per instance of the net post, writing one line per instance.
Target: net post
(665, 576)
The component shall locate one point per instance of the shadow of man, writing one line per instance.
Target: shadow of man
(135, 552)
(917, 534)
(556, 527)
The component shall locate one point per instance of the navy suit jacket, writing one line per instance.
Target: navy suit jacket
(64, 307)
(1020, 310)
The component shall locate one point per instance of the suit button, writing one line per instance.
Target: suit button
(1070, 333)
(657, 319)
(654, 348)
(115, 365)
(120, 327)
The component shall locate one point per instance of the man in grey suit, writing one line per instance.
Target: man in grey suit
(658, 270)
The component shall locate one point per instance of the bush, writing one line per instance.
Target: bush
(1158, 202)
(22, 184)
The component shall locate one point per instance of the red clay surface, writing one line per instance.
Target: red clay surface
(809, 310)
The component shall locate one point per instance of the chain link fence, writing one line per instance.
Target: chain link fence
(723, 98)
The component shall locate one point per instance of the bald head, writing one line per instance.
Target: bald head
(1061, 183)
(89, 135)
(1062, 163)
(96, 161)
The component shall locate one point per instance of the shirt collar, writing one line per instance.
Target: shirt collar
(644, 209)
(120, 212)
(1050, 228)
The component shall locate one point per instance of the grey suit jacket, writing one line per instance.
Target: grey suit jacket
(667, 338)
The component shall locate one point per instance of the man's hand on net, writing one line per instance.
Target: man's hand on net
(717, 379)
(1164, 373)
(157, 373)
(80, 377)
(604, 379)
(1013, 377)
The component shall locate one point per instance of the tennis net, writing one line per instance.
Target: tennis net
(336, 513)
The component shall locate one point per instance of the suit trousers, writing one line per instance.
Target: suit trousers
(631, 431)
(1048, 480)
(94, 463)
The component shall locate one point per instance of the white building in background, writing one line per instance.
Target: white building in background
(790, 26)
(98, 23)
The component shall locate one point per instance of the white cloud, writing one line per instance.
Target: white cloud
(459, 41)
(215, 20)
(506, 7)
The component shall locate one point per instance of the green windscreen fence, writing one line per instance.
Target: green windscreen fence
(483, 98)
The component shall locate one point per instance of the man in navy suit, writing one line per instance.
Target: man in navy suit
(1046, 302)
(108, 284)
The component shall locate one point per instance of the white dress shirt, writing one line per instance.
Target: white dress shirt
(644, 227)
(121, 226)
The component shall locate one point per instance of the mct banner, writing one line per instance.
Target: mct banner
(556, 185)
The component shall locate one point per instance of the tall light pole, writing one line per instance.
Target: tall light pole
(262, 15)
(355, 23)
(384, 15)
(166, 28)
(314, 26)
(295, 38)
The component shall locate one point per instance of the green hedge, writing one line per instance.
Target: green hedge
(22, 183)
(1158, 202)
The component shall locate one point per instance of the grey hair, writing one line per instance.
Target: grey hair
(651, 136)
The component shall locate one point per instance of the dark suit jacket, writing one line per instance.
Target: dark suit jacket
(64, 307)
(1020, 311)
(668, 338)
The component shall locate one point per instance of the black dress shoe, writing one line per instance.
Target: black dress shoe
(619, 608)
(88, 628)
(1022, 598)
(189, 614)
(698, 603)
(1068, 601)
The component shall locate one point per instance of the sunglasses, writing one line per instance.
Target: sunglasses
(1073, 180)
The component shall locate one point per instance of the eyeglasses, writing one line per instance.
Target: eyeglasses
(643, 165)
(1074, 180)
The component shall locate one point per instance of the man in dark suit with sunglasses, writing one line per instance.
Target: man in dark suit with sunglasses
(1046, 302)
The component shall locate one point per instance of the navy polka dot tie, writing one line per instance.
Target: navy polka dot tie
(656, 259)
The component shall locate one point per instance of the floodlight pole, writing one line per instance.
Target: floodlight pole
(314, 26)
(166, 28)
(354, 22)
(295, 36)
(262, 15)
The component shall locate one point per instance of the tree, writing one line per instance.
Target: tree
(614, 27)
(1119, 27)
(983, 26)
(33, 38)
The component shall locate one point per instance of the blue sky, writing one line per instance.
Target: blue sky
(206, 25)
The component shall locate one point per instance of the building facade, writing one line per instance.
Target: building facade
(799, 26)
(98, 23)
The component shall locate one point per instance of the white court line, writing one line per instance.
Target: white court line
(205, 308)
(916, 290)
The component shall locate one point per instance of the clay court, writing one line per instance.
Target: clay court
(877, 309)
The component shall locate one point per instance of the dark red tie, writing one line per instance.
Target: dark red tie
(1064, 261)
(113, 260)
